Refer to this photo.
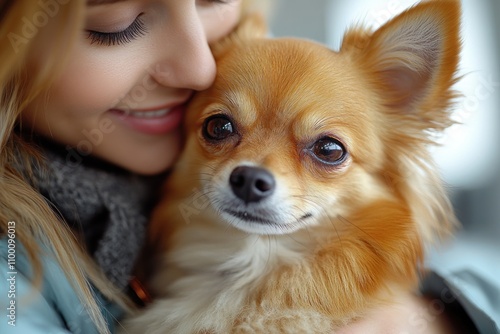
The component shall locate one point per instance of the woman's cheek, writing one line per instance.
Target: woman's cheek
(96, 84)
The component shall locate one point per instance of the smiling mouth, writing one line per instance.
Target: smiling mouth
(147, 114)
(152, 112)
(157, 121)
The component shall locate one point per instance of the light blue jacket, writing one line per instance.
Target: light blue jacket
(54, 309)
(468, 269)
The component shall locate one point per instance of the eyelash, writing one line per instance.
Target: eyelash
(132, 32)
(218, 1)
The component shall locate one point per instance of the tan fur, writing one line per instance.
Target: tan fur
(351, 235)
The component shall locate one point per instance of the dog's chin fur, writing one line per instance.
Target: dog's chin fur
(334, 238)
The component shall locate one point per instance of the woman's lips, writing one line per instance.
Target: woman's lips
(155, 121)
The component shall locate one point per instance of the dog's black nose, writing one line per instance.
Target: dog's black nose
(252, 184)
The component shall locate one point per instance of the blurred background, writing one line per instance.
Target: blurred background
(470, 154)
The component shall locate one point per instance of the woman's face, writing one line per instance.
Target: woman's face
(122, 95)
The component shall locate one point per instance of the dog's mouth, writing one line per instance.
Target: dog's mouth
(248, 217)
(253, 219)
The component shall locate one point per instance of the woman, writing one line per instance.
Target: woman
(90, 91)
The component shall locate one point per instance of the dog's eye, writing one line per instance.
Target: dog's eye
(217, 127)
(329, 150)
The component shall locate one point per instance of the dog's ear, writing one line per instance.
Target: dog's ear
(412, 60)
(251, 26)
(411, 63)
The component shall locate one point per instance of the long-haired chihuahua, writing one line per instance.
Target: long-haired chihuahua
(306, 192)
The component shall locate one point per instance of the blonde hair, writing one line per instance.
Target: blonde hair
(36, 223)
(19, 200)
(264, 7)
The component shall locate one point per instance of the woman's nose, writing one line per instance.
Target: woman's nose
(186, 61)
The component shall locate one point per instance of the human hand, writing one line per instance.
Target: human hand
(410, 314)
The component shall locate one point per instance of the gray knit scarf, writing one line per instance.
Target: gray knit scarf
(106, 206)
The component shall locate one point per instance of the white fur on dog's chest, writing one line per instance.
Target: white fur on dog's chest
(242, 262)
(217, 279)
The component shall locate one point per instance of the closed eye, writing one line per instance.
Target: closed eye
(135, 30)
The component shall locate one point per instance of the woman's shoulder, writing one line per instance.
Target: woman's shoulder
(53, 307)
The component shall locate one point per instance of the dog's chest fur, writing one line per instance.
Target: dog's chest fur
(221, 270)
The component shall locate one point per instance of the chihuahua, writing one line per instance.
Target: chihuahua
(306, 193)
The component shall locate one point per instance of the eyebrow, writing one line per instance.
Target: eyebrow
(101, 2)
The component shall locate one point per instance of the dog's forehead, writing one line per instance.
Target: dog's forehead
(279, 69)
(280, 81)
(269, 65)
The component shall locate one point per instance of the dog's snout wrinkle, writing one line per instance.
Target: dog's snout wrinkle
(252, 184)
